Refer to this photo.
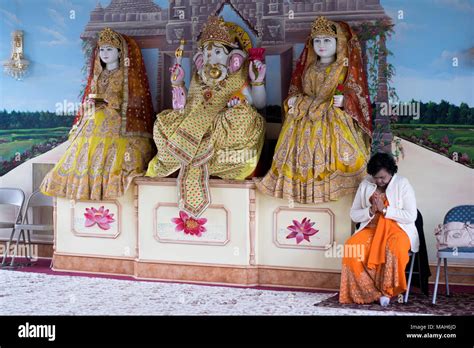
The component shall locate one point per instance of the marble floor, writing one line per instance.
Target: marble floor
(29, 293)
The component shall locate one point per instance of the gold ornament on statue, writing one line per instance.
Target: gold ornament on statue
(109, 37)
(179, 56)
(213, 71)
(179, 51)
(216, 30)
(321, 26)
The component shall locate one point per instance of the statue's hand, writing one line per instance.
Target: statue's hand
(291, 102)
(179, 97)
(233, 102)
(291, 105)
(338, 101)
(177, 75)
(261, 71)
(237, 99)
(73, 130)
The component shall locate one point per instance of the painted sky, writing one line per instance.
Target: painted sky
(430, 34)
(427, 38)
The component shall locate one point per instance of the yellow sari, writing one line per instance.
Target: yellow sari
(111, 143)
(100, 163)
(321, 153)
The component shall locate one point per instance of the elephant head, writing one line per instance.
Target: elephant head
(215, 61)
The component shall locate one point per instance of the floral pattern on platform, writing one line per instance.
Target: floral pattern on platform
(100, 216)
(302, 230)
(189, 225)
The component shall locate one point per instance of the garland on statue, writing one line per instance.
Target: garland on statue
(87, 47)
(370, 33)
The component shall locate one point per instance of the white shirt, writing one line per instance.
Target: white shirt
(402, 206)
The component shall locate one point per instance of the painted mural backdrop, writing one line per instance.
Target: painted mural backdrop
(420, 72)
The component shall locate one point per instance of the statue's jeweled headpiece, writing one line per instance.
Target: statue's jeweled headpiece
(215, 29)
(109, 37)
(321, 26)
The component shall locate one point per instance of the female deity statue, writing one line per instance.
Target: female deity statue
(324, 144)
(110, 142)
(214, 129)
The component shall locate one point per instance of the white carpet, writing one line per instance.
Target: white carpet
(25, 293)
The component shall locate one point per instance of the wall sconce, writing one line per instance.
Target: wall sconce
(17, 66)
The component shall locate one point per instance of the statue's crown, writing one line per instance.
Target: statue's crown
(109, 37)
(321, 26)
(215, 29)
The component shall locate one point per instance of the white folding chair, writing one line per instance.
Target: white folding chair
(35, 201)
(462, 213)
(412, 256)
(13, 197)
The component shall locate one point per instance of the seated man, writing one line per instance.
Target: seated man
(215, 130)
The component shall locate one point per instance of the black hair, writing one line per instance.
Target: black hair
(380, 161)
(227, 48)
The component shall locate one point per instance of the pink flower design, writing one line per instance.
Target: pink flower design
(100, 217)
(189, 225)
(301, 230)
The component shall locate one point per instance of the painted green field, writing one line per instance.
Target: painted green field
(432, 126)
(15, 141)
(460, 137)
(463, 149)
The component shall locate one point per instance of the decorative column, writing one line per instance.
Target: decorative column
(160, 84)
(252, 222)
(259, 23)
(55, 230)
(137, 227)
(363, 49)
(382, 122)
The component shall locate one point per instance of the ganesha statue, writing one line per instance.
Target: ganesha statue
(214, 127)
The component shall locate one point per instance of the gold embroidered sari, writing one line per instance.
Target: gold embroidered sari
(322, 150)
(111, 144)
(207, 138)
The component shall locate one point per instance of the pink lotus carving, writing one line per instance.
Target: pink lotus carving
(302, 230)
(101, 217)
(189, 225)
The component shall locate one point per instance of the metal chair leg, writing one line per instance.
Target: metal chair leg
(7, 250)
(438, 268)
(446, 275)
(29, 244)
(15, 251)
(22, 232)
(27, 249)
(420, 281)
(410, 274)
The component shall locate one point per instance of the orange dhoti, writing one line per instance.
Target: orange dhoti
(374, 263)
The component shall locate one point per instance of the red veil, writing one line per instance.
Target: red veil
(137, 108)
(356, 91)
